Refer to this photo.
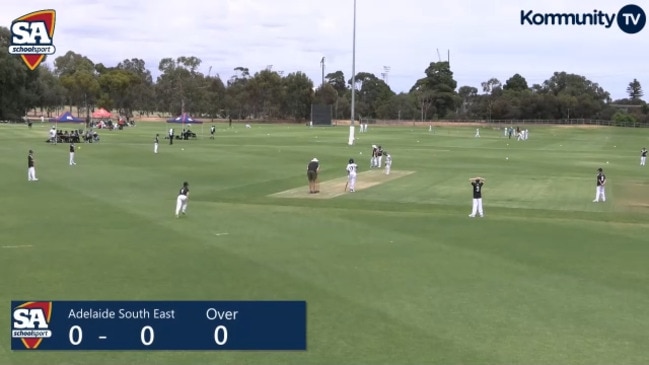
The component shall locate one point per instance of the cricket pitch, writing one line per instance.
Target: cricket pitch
(336, 187)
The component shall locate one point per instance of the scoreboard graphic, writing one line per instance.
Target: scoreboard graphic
(158, 325)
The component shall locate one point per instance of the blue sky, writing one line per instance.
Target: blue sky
(485, 37)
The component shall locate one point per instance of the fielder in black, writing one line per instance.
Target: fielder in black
(212, 130)
(312, 170)
(31, 167)
(476, 184)
(600, 193)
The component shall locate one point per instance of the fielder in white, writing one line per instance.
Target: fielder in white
(181, 200)
(476, 184)
(374, 159)
(31, 167)
(600, 193)
(477, 132)
(53, 135)
(388, 163)
(156, 142)
(351, 175)
(643, 156)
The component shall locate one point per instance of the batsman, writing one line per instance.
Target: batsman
(351, 175)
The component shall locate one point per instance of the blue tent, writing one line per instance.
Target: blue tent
(67, 117)
(184, 119)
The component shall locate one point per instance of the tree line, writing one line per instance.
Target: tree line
(129, 88)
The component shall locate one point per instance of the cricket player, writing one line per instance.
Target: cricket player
(374, 158)
(388, 163)
(643, 156)
(525, 134)
(601, 183)
(53, 135)
(476, 184)
(72, 148)
(156, 142)
(477, 133)
(31, 167)
(312, 170)
(181, 200)
(351, 175)
(379, 156)
(212, 130)
(171, 136)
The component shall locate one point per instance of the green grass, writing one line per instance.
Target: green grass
(394, 274)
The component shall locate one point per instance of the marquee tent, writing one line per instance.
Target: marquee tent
(184, 119)
(101, 113)
(67, 117)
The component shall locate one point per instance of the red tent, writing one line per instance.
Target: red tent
(101, 113)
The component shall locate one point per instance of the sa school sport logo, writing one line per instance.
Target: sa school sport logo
(30, 323)
(31, 37)
(631, 19)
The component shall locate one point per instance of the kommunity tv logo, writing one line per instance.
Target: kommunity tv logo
(631, 19)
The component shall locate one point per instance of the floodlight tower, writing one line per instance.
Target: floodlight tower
(386, 71)
(351, 126)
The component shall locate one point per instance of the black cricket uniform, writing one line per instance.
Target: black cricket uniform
(312, 170)
(184, 191)
(643, 153)
(157, 140)
(477, 189)
(212, 130)
(71, 147)
(171, 137)
(601, 179)
(30, 160)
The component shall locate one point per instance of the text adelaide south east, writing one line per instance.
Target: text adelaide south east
(122, 313)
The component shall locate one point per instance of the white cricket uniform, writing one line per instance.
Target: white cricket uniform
(379, 158)
(388, 164)
(477, 132)
(351, 176)
(53, 135)
(155, 144)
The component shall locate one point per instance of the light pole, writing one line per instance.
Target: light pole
(351, 126)
(386, 71)
(322, 63)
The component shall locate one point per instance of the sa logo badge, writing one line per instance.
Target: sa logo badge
(31, 37)
(31, 323)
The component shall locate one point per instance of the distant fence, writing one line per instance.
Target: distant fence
(498, 123)
(494, 123)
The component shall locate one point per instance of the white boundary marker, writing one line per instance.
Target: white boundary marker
(18, 246)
